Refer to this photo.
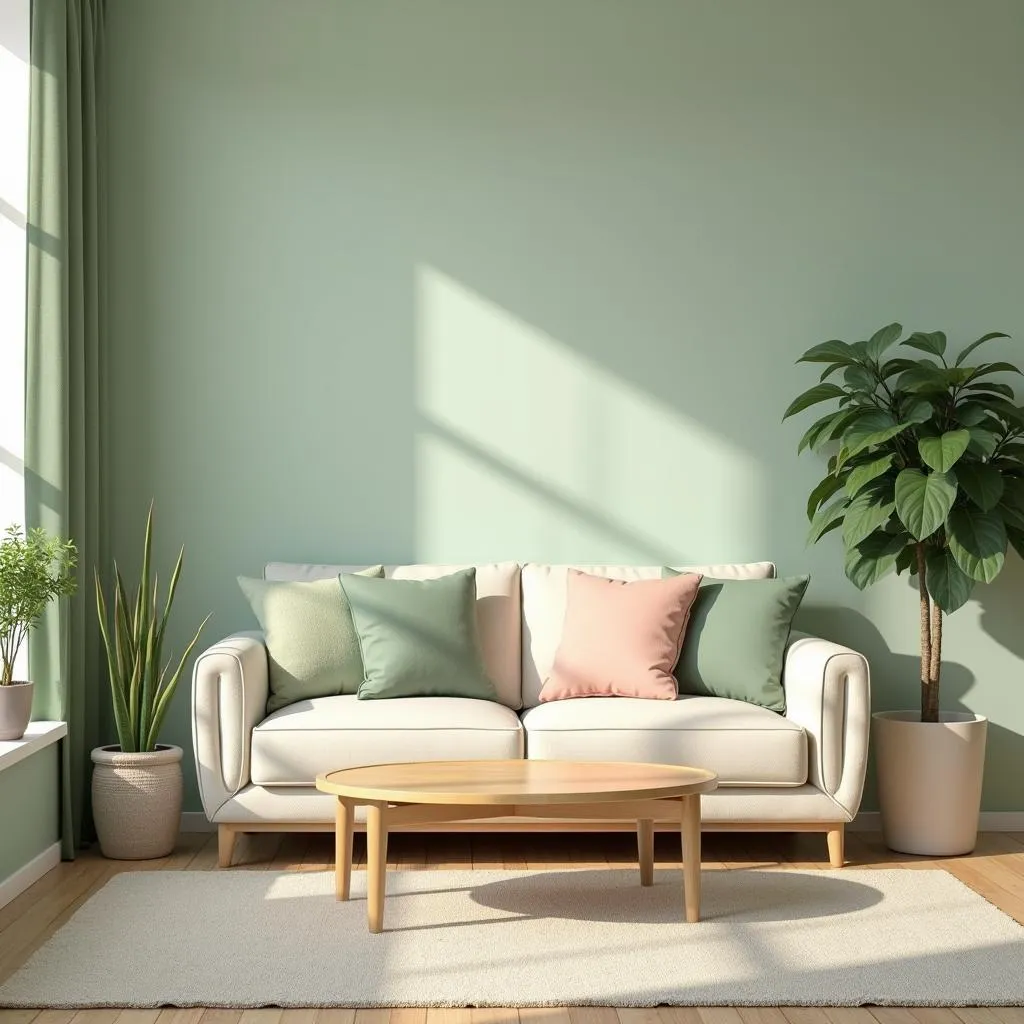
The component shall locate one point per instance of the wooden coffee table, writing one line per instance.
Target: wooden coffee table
(398, 795)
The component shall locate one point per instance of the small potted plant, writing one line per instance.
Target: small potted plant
(926, 476)
(136, 783)
(35, 569)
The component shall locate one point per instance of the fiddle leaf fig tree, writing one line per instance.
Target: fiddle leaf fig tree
(925, 470)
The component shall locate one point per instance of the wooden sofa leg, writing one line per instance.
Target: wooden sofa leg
(226, 835)
(836, 856)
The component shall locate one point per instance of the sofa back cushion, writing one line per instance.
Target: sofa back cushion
(497, 611)
(544, 600)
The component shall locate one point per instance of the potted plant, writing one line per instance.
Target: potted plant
(136, 783)
(35, 568)
(926, 476)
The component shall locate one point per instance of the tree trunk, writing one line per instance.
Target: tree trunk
(929, 693)
(930, 710)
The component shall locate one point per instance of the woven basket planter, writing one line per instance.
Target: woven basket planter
(136, 801)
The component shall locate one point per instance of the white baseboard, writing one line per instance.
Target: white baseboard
(866, 821)
(16, 884)
(990, 821)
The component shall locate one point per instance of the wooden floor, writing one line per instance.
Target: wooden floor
(995, 870)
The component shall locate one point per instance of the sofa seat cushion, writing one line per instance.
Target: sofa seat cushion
(746, 745)
(294, 745)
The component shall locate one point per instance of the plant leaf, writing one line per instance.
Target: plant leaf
(949, 586)
(812, 396)
(860, 378)
(923, 500)
(863, 475)
(165, 695)
(877, 438)
(865, 514)
(883, 339)
(922, 377)
(906, 559)
(974, 344)
(970, 414)
(824, 490)
(994, 387)
(1011, 457)
(828, 519)
(834, 351)
(874, 558)
(1000, 366)
(830, 369)
(816, 429)
(978, 543)
(934, 342)
(982, 483)
(942, 453)
(985, 437)
(918, 410)
(1013, 487)
(899, 365)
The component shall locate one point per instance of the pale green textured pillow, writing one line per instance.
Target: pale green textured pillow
(735, 643)
(418, 638)
(312, 649)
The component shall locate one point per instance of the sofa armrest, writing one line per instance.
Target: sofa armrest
(828, 695)
(229, 699)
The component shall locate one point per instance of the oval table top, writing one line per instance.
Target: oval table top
(515, 782)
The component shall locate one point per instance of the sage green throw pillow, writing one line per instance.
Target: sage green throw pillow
(735, 644)
(418, 638)
(312, 648)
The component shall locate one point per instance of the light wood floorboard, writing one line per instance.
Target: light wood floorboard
(995, 870)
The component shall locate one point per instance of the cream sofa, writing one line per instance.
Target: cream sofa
(802, 771)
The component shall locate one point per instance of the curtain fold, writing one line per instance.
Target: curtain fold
(64, 368)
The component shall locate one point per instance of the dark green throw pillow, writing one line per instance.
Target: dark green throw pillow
(735, 643)
(418, 638)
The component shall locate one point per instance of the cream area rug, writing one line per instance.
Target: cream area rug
(515, 938)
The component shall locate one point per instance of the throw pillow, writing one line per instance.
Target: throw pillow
(737, 640)
(620, 638)
(312, 649)
(418, 638)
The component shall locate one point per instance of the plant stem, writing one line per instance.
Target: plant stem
(926, 634)
(930, 710)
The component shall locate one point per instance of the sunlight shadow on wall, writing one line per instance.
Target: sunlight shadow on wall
(574, 463)
(14, 86)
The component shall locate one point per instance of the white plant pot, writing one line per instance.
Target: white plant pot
(15, 710)
(136, 801)
(929, 780)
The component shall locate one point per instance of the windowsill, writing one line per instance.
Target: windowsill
(37, 736)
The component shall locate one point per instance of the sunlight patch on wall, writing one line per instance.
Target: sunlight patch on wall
(14, 82)
(524, 442)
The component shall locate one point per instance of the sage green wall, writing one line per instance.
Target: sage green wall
(29, 809)
(447, 280)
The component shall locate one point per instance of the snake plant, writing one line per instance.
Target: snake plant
(134, 640)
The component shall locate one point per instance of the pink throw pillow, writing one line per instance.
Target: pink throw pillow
(621, 639)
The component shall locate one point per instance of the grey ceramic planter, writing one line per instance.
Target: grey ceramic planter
(15, 710)
(929, 781)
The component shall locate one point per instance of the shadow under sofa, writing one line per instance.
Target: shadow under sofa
(799, 771)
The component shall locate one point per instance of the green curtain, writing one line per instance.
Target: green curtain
(64, 367)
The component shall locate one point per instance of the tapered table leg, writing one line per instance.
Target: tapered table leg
(645, 846)
(342, 849)
(691, 856)
(376, 864)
